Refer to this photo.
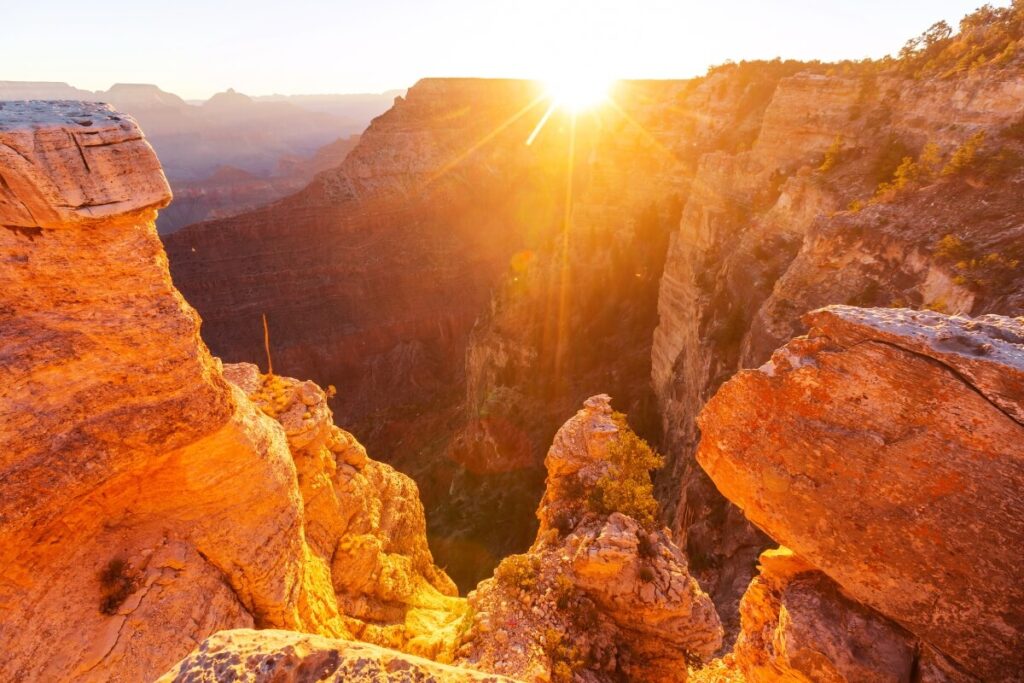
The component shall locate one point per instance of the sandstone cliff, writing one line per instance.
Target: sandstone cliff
(148, 502)
(884, 449)
(817, 212)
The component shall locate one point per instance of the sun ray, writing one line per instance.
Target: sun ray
(483, 141)
(540, 124)
(658, 144)
(562, 329)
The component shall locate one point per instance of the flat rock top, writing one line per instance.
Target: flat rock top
(987, 351)
(36, 114)
(65, 163)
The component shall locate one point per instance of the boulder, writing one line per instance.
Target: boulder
(886, 449)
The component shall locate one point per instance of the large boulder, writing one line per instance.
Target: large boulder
(798, 626)
(886, 449)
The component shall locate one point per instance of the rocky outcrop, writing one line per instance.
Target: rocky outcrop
(797, 222)
(248, 656)
(798, 626)
(363, 521)
(885, 450)
(600, 595)
(147, 502)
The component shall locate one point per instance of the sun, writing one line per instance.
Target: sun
(577, 91)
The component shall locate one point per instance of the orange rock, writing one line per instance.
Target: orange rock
(798, 626)
(598, 595)
(145, 502)
(247, 656)
(887, 450)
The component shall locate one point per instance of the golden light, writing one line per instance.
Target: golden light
(577, 91)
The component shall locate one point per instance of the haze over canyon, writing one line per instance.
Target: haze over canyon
(716, 379)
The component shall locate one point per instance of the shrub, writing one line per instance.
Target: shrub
(646, 574)
(518, 571)
(565, 658)
(645, 548)
(991, 271)
(965, 155)
(626, 487)
(832, 155)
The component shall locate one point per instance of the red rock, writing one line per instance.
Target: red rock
(886, 449)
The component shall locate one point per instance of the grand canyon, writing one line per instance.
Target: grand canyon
(716, 379)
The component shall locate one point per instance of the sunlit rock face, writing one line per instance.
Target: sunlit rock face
(600, 595)
(146, 502)
(885, 449)
(248, 656)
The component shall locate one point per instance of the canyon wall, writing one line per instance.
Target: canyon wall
(147, 501)
(817, 212)
(462, 289)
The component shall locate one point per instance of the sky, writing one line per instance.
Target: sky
(195, 48)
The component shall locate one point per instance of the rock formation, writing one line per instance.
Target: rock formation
(810, 215)
(147, 502)
(798, 626)
(600, 595)
(247, 656)
(885, 450)
(363, 521)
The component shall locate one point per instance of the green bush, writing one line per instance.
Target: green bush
(627, 487)
(518, 571)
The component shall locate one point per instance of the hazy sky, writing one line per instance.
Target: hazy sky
(197, 47)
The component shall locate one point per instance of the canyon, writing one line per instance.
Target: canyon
(465, 292)
(800, 282)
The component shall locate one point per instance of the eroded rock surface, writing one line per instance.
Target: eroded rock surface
(363, 520)
(146, 502)
(798, 626)
(247, 656)
(599, 595)
(885, 448)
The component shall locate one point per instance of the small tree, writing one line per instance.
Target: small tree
(627, 487)
(965, 155)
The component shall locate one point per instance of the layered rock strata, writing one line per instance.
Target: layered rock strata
(817, 212)
(147, 502)
(885, 450)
